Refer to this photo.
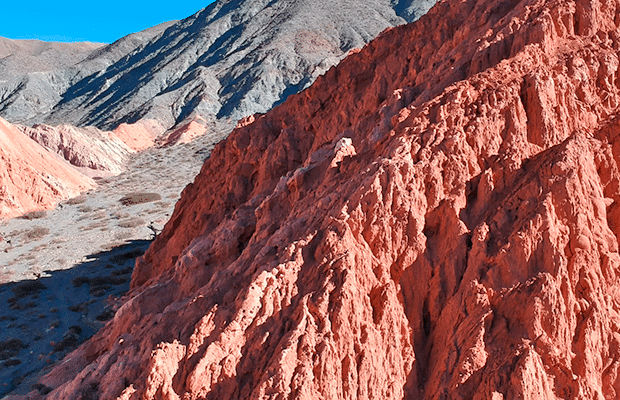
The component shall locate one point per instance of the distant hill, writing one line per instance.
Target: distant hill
(231, 59)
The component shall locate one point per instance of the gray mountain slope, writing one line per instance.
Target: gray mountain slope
(231, 59)
(34, 75)
(18, 57)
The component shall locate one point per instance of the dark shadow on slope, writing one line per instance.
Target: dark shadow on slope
(43, 320)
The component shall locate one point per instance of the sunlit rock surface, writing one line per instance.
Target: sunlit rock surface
(437, 217)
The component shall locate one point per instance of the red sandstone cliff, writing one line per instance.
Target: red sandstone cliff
(462, 244)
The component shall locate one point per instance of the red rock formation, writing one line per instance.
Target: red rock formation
(30, 177)
(89, 148)
(462, 244)
(185, 132)
(140, 135)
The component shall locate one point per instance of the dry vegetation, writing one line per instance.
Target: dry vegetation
(34, 215)
(131, 222)
(36, 233)
(131, 199)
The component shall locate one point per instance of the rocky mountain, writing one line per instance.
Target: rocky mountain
(436, 217)
(19, 57)
(178, 80)
(231, 59)
(34, 74)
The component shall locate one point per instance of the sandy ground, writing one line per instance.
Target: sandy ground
(63, 272)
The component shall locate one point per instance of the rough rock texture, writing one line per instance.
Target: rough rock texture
(30, 177)
(437, 217)
(83, 147)
(231, 59)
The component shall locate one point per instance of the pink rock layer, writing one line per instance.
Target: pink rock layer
(437, 217)
(184, 132)
(140, 135)
(82, 147)
(31, 178)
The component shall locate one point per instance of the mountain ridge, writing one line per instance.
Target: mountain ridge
(436, 217)
(216, 74)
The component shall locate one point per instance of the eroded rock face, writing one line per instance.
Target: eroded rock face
(437, 217)
(30, 177)
(83, 147)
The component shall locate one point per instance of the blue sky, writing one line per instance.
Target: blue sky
(93, 21)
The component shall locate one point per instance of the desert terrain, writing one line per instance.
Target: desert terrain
(435, 217)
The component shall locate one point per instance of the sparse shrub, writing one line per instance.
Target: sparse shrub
(40, 247)
(10, 348)
(100, 214)
(68, 342)
(131, 222)
(98, 281)
(76, 200)
(94, 225)
(120, 215)
(34, 215)
(36, 233)
(78, 307)
(107, 280)
(5, 276)
(124, 271)
(42, 389)
(98, 291)
(15, 305)
(114, 244)
(85, 209)
(27, 288)
(78, 281)
(119, 236)
(128, 255)
(105, 316)
(75, 329)
(138, 198)
(11, 363)
(163, 204)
